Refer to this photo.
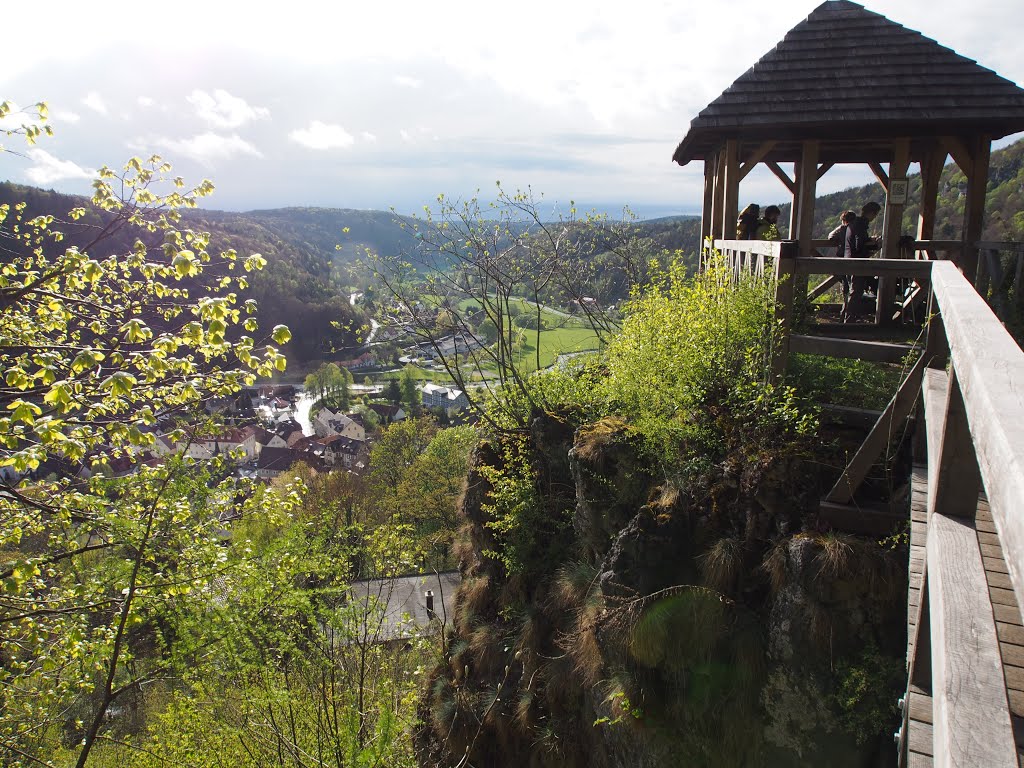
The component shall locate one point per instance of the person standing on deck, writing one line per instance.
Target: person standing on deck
(837, 237)
(746, 224)
(860, 245)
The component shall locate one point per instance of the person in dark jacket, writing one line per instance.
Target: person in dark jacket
(860, 245)
(746, 224)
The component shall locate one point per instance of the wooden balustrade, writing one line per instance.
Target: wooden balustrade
(1000, 271)
(999, 278)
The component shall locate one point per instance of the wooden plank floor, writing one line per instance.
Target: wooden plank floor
(919, 732)
(1005, 609)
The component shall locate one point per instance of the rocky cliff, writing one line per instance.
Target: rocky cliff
(611, 617)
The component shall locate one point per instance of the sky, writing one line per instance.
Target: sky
(379, 105)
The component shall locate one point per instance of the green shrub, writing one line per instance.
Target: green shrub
(866, 688)
(691, 368)
(529, 536)
(855, 383)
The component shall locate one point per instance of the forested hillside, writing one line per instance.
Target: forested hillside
(305, 283)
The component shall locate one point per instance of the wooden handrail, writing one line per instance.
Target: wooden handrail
(989, 367)
(1001, 245)
(974, 422)
(761, 247)
(830, 265)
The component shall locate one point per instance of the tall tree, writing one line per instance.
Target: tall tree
(97, 354)
(411, 396)
(479, 266)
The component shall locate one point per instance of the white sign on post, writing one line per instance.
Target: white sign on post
(897, 191)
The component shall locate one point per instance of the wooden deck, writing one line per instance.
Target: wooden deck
(1005, 611)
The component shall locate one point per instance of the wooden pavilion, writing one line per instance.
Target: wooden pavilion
(847, 85)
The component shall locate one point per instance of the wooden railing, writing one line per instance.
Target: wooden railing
(974, 427)
(783, 260)
(1000, 278)
(1000, 272)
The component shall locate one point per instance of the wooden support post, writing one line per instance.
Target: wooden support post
(719, 198)
(802, 226)
(785, 269)
(936, 347)
(730, 206)
(804, 203)
(936, 355)
(984, 277)
(931, 172)
(974, 204)
(1018, 276)
(794, 205)
(892, 222)
(893, 213)
(953, 478)
(707, 212)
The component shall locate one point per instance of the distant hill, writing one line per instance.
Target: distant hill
(321, 230)
(306, 282)
(308, 279)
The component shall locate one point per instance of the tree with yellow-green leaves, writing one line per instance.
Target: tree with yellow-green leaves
(99, 571)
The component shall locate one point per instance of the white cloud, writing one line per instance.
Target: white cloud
(368, 137)
(146, 101)
(48, 169)
(207, 147)
(222, 110)
(407, 82)
(406, 136)
(95, 102)
(322, 136)
(64, 116)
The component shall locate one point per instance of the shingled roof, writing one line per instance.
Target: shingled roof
(848, 73)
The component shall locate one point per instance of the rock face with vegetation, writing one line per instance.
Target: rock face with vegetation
(644, 580)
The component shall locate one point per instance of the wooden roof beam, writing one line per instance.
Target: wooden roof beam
(756, 157)
(824, 168)
(782, 176)
(880, 174)
(959, 152)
